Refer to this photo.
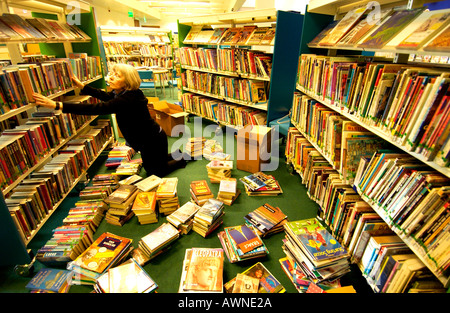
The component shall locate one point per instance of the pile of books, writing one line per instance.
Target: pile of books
(156, 242)
(167, 195)
(129, 167)
(218, 170)
(208, 217)
(267, 283)
(266, 219)
(218, 156)
(144, 207)
(95, 192)
(108, 250)
(194, 146)
(261, 184)
(200, 192)
(128, 277)
(71, 239)
(242, 242)
(198, 260)
(120, 203)
(315, 251)
(149, 183)
(118, 154)
(183, 217)
(210, 148)
(130, 180)
(105, 180)
(228, 191)
(49, 280)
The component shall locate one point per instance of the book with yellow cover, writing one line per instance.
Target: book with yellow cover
(202, 261)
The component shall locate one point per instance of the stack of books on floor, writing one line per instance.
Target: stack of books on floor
(149, 183)
(130, 180)
(183, 217)
(266, 219)
(128, 277)
(129, 167)
(315, 251)
(228, 191)
(50, 280)
(210, 148)
(105, 180)
(242, 242)
(108, 250)
(267, 283)
(218, 170)
(200, 191)
(196, 261)
(194, 146)
(156, 242)
(118, 154)
(144, 207)
(95, 192)
(261, 184)
(209, 217)
(218, 156)
(120, 203)
(75, 235)
(167, 195)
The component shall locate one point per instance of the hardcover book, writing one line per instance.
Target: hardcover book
(390, 27)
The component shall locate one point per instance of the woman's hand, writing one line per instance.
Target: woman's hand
(77, 82)
(44, 101)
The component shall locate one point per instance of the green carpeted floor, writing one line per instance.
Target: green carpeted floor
(166, 268)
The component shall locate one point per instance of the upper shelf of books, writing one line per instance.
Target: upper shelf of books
(398, 30)
(14, 28)
(336, 7)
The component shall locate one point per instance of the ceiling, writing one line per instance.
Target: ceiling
(163, 9)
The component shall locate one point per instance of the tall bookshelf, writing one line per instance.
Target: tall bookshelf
(15, 248)
(324, 12)
(284, 53)
(138, 46)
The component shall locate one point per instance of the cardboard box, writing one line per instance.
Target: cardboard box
(253, 148)
(167, 115)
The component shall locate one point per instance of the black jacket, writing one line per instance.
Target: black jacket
(133, 118)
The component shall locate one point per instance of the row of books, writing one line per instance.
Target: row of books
(125, 48)
(406, 104)
(237, 61)
(119, 153)
(19, 82)
(346, 211)
(23, 146)
(244, 90)
(410, 29)
(341, 142)
(222, 112)
(15, 27)
(140, 62)
(35, 198)
(246, 36)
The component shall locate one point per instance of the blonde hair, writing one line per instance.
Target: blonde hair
(130, 74)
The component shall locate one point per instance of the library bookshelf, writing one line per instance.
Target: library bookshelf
(95, 130)
(231, 102)
(143, 47)
(313, 105)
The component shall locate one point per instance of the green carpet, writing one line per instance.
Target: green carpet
(166, 269)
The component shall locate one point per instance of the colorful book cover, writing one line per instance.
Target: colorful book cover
(440, 43)
(320, 244)
(145, 201)
(217, 35)
(245, 284)
(390, 27)
(245, 238)
(103, 252)
(205, 271)
(257, 35)
(160, 236)
(48, 279)
(200, 187)
(431, 26)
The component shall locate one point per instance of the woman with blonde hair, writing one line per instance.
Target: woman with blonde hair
(129, 104)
